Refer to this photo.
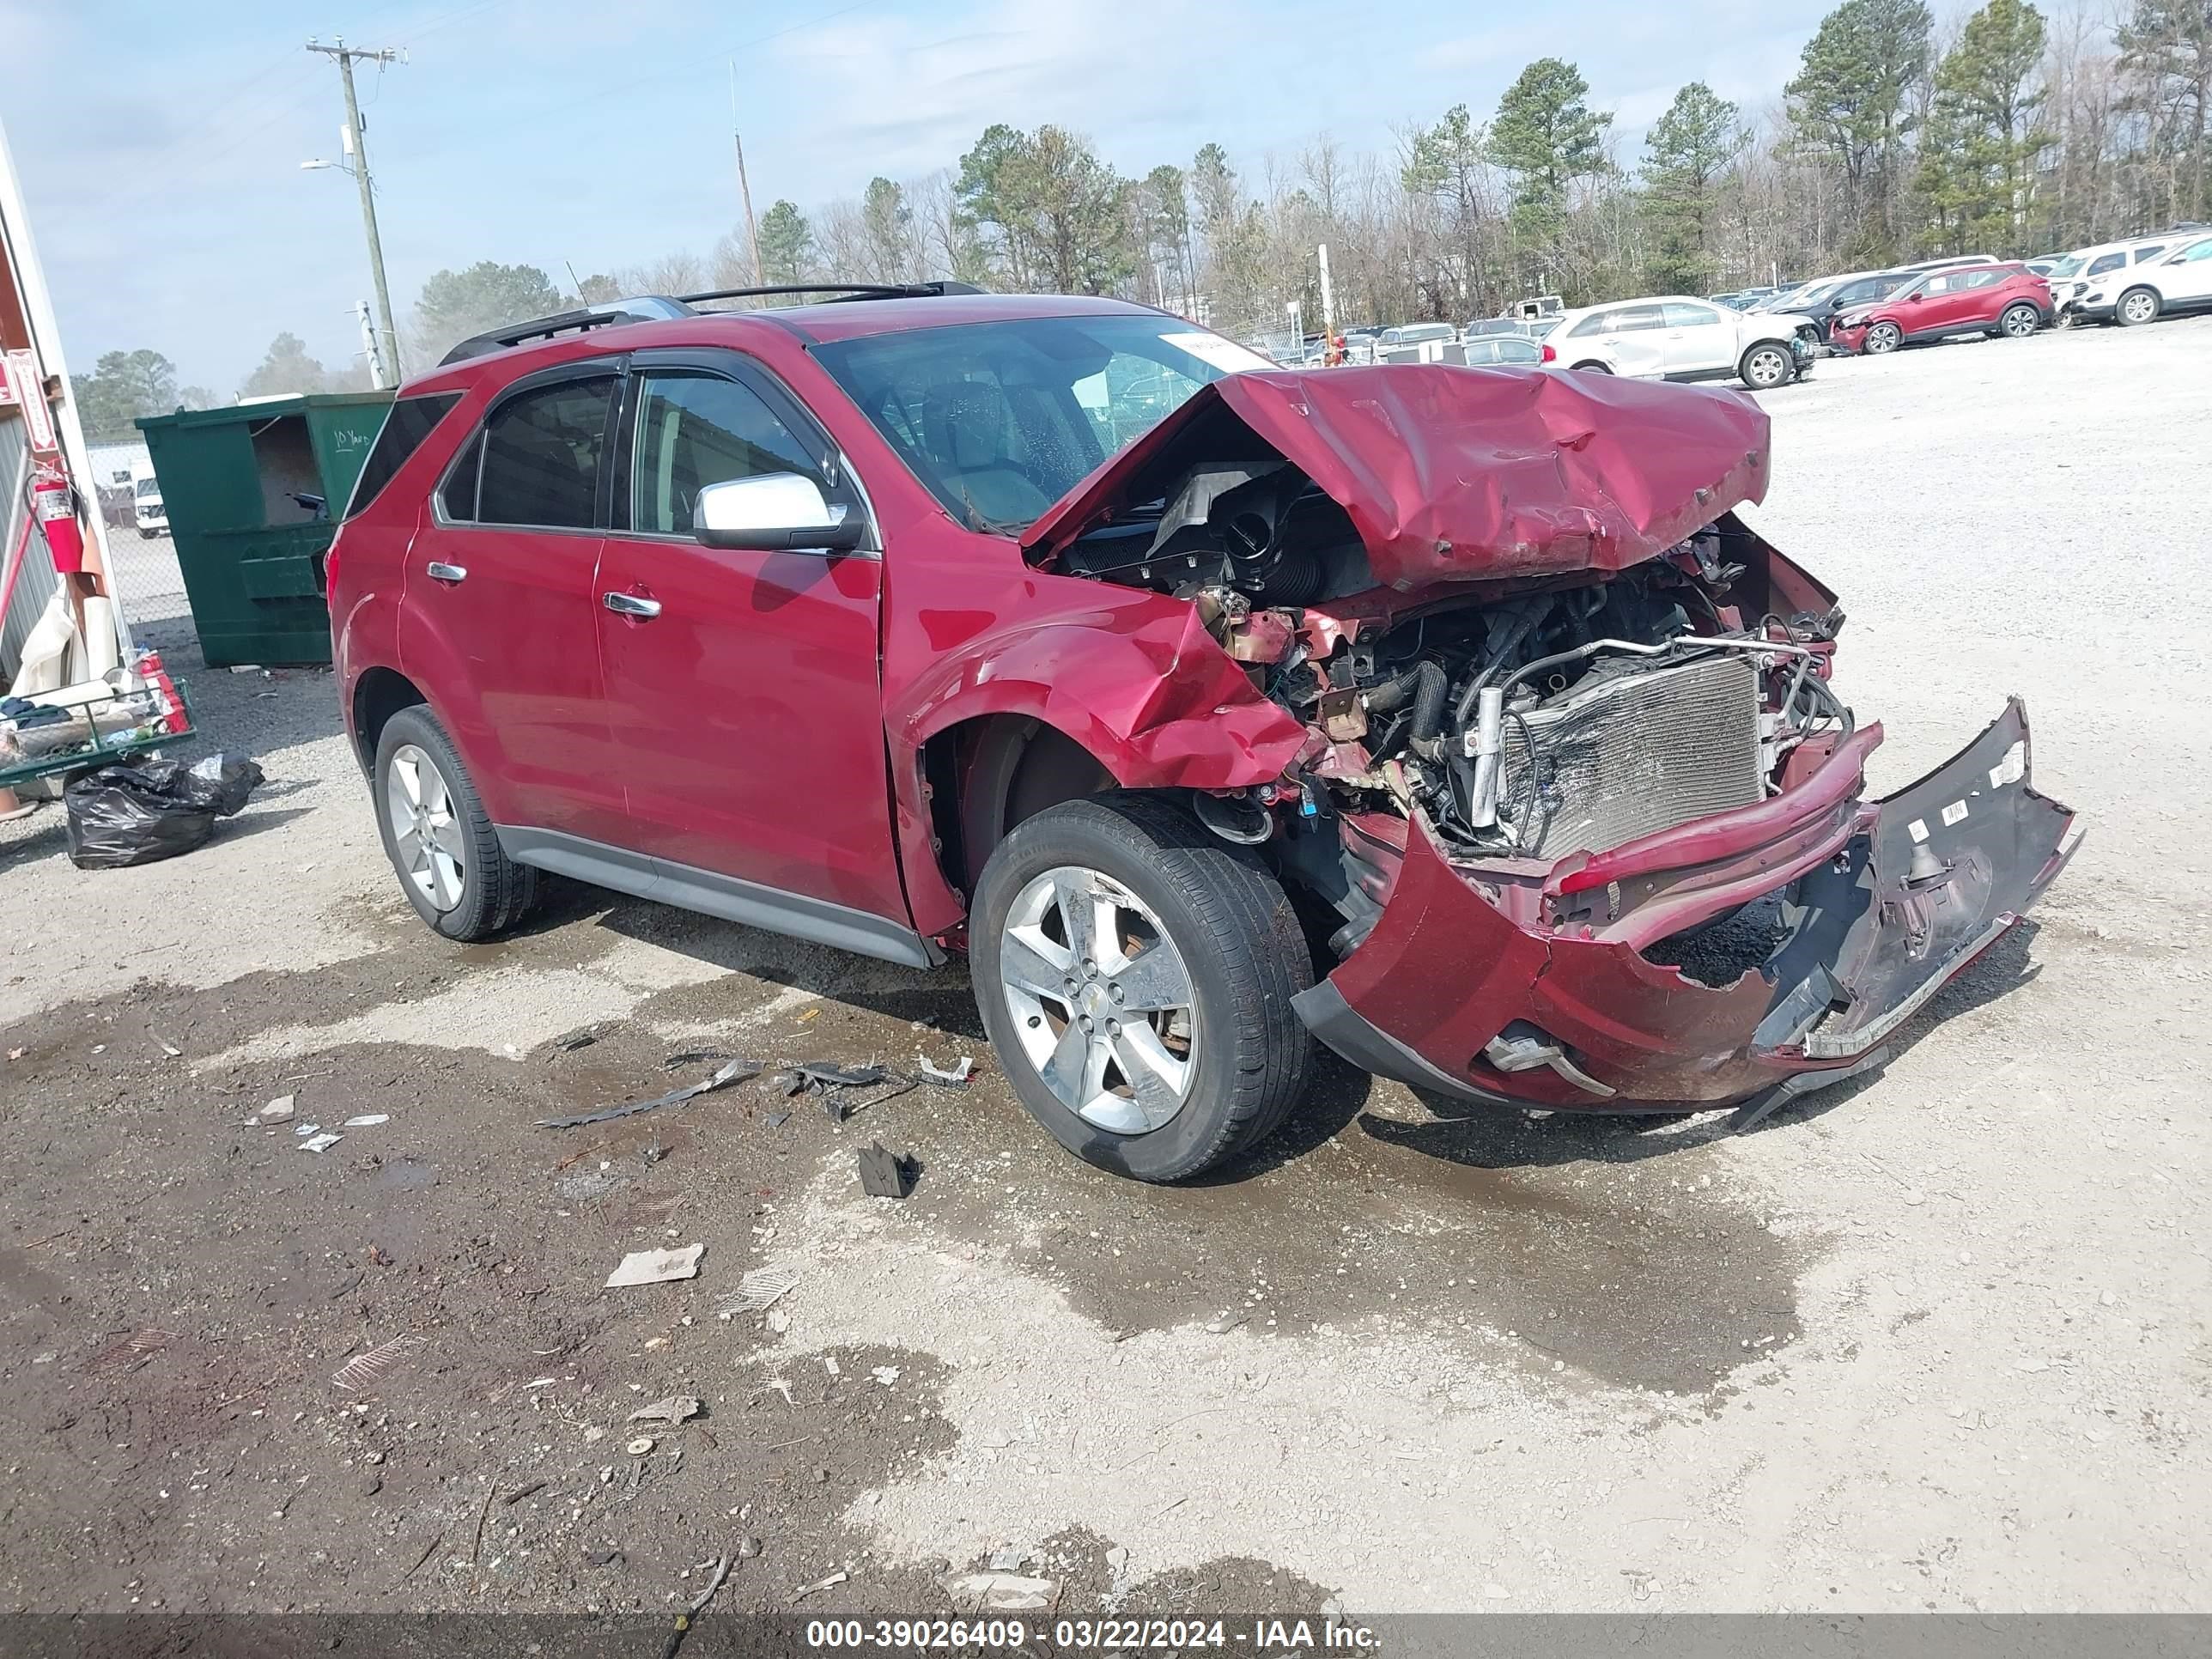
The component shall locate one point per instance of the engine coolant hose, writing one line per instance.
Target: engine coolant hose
(1426, 686)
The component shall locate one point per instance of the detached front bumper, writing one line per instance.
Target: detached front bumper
(1847, 341)
(1884, 902)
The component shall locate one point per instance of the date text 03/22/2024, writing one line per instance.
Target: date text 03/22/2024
(1259, 1636)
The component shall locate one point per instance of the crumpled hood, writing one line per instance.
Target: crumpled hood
(1452, 473)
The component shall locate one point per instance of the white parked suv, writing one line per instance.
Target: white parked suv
(1674, 337)
(2104, 269)
(2179, 281)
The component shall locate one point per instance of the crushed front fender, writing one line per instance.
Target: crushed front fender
(1916, 887)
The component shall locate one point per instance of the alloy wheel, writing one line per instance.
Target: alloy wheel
(2019, 322)
(426, 836)
(1767, 369)
(1101, 999)
(1882, 338)
(2138, 307)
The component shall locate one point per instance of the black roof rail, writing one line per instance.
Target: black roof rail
(848, 290)
(644, 309)
(658, 307)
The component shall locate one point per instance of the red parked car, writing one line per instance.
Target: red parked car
(2009, 300)
(1450, 715)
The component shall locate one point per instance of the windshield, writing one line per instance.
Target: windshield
(1001, 420)
(149, 487)
(2067, 266)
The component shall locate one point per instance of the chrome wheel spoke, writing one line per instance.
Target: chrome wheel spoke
(1080, 903)
(445, 836)
(1029, 962)
(1066, 1070)
(1156, 1078)
(1151, 982)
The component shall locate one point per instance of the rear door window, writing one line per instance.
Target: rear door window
(543, 449)
(1632, 320)
(409, 421)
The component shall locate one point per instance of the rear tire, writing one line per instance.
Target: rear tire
(2019, 321)
(1766, 367)
(1220, 1019)
(2138, 305)
(1882, 339)
(439, 840)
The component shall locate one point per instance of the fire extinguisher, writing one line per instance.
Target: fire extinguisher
(54, 502)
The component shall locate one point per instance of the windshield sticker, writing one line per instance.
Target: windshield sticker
(1214, 351)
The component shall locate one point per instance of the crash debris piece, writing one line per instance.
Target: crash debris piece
(675, 1409)
(805, 1590)
(639, 1447)
(736, 1071)
(955, 1076)
(761, 1289)
(278, 1111)
(321, 1143)
(365, 1121)
(364, 1369)
(999, 1592)
(656, 1267)
(886, 1174)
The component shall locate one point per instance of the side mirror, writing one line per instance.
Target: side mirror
(775, 512)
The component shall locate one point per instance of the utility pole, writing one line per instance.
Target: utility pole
(345, 56)
(744, 190)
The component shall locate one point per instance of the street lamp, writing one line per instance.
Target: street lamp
(1296, 310)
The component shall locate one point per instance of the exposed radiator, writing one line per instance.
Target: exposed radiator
(1633, 750)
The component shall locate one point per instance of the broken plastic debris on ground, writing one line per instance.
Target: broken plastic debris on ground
(736, 1071)
(761, 1289)
(656, 1267)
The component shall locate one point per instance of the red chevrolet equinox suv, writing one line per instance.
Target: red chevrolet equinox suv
(1451, 717)
(2008, 299)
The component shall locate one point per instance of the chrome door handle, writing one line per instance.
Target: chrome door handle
(445, 573)
(629, 605)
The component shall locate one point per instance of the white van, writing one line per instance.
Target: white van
(153, 518)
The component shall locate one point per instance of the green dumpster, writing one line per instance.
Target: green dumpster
(251, 553)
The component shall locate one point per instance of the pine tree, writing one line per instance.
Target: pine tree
(1850, 100)
(1545, 135)
(1977, 163)
(1686, 151)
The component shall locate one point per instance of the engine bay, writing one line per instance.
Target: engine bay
(1523, 719)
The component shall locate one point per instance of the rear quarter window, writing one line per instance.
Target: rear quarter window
(409, 421)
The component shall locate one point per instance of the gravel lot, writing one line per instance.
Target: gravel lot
(1935, 1341)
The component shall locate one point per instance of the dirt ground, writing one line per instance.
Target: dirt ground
(1932, 1341)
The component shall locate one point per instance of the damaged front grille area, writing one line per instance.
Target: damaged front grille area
(1630, 750)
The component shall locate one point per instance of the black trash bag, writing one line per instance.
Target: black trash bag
(124, 815)
(219, 782)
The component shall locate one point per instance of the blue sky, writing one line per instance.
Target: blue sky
(162, 162)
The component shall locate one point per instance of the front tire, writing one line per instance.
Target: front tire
(1766, 367)
(2138, 305)
(1882, 339)
(439, 840)
(1134, 973)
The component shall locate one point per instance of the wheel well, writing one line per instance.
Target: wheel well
(2141, 287)
(1592, 362)
(986, 774)
(377, 695)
